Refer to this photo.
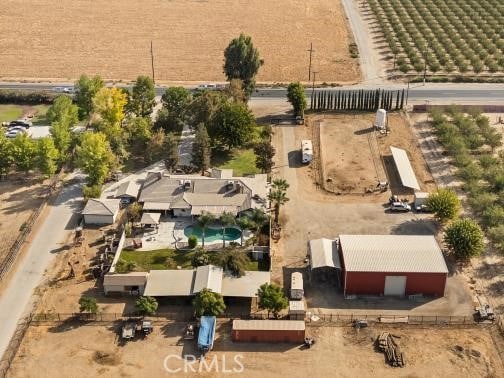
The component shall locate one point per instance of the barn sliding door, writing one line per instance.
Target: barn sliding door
(395, 285)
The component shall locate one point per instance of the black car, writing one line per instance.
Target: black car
(25, 124)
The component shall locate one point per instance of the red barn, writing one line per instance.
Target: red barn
(392, 265)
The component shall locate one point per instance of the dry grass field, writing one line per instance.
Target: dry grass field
(43, 39)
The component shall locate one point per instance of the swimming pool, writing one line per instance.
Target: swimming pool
(213, 234)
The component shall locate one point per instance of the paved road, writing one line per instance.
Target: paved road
(15, 300)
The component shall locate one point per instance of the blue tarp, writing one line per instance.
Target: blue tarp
(206, 332)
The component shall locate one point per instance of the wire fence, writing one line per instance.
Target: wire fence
(11, 256)
(13, 347)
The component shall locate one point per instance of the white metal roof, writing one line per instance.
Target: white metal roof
(101, 207)
(169, 283)
(126, 279)
(404, 168)
(156, 206)
(297, 281)
(208, 277)
(150, 218)
(245, 286)
(392, 253)
(268, 325)
(324, 253)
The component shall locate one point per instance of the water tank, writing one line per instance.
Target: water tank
(381, 119)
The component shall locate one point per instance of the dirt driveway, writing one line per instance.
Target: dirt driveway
(83, 351)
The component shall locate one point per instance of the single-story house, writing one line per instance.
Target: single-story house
(394, 265)
(184, 196)
(128, 190)
(100, 211)
(168, 283)
(131, 283)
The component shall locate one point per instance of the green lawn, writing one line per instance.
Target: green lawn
(40, 115)
(240, 161)
(10, 112)
(158, 259)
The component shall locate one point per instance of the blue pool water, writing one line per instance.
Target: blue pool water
(213, 234)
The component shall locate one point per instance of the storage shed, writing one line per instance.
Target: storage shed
(127, 283)
(269, 331)
(99, 211)
(394, 265)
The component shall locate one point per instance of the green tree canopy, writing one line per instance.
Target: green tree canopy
(88, 304)
(234, 260)
(47, 156)
(139, 131)
(208, 303)
(272, 298)
(85, 90)
(444, 203)
(143, 97)
(6, 154)
(232, 125)
(242, 61)
(296, 96)
(203, 221)
(176, 101)
(95, 157)
(200, 258)
(201, 149)
(62, 137)
(264, 152)
(170, 152)
(278, 195)
(24, 152)
(204, 105)
(63, 110)
(464, 238)
(146, 305)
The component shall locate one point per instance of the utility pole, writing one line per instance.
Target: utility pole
(407, 92)
(152, 62)
(311, 51)
(313, 86)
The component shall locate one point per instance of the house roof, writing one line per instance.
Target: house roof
(128, 189)
(392, 253)
(244, 286)
(324, 253)
(126, 279)
(150, 218)
(269, 325)
(101, 207)
(156, 206)
(160, 189)
(404, 168)
(208, 277)
(169, 283)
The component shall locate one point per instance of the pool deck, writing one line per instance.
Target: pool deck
(171, 230)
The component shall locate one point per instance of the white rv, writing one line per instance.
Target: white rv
(306, 151)
(296, 291)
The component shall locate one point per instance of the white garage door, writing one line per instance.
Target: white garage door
(395, 285)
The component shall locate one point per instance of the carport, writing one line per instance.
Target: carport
(403, 165)
(150, 219)
(325, 264)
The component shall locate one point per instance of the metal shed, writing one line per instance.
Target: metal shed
(406, 173)
(394, 265)
(269, 331)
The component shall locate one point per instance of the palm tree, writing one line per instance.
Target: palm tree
(226, 219)
(279, 198)
(244, 223)
(280, 184)
(203, 222)
(233, 259)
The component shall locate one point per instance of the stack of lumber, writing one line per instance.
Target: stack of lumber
(391, 348)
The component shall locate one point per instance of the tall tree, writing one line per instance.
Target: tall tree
(464, 238)
(139, 131)
(62, 137)
(208, 303)
(63, 110)
(278, 196)
(264, 152)
(146, 305)
(85, 90)
(47, 156)
(24, 151)
(154, 148)
(272, 298)
(235, 91)
(203, 221)
(232, 125)
(201, 149)
(143, 97)
(6, 155)
(296, 96)
(242, 61)
(170, 152)
(176, 101)
(95, 157)
(234, 260)
(444, 203)
(204, 105)
(227, 220)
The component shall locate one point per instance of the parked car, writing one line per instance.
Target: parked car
(17, 128)
(400, 207)
(21, 122)
(11, 134)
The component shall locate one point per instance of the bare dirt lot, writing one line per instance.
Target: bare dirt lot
(355, 157)
(19, 198)
(113, 39)
(342, 352)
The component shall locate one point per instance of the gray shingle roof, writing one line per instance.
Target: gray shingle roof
(101, 207)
